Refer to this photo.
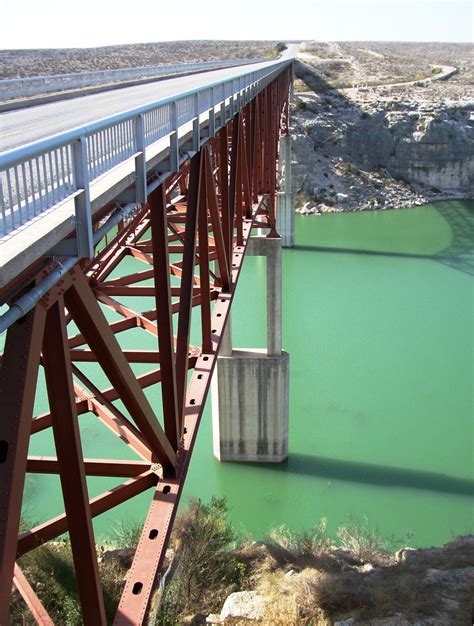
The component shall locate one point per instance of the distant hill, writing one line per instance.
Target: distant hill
(36, 62)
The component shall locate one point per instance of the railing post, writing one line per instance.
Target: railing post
(174, 144)
(85, 244)
(223, 115)
(140, 160)
(196, 128)
(212, 114)
(3, 220)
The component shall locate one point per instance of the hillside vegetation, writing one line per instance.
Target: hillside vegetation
(23, 63)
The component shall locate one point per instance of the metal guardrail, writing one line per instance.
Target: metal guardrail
(35, 85)
(38, 177)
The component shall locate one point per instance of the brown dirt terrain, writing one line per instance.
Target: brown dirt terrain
(24, 63)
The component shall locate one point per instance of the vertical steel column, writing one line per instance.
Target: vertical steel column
(58, 375)
(18, 376)
(204, 265)
(235, 193)
(159, 232)
(244, 177)
(227, 221)
(222, 262)
(185, 308)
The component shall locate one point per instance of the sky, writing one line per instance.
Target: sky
(84, 23)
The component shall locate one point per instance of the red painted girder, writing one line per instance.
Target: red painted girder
(187, 278)
(100, 504)
(92, 323)
(132, 356)
(31, 599)
(142, 321)
(18, 377)
(164, 314)
(58, 376)
(92, 467)
(127, 290)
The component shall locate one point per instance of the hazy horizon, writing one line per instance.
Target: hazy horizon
(48, 23)
(145, 43)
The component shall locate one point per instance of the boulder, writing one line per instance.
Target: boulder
(243, 605)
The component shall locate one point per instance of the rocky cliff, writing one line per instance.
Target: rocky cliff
(363, 148)
(425, 144)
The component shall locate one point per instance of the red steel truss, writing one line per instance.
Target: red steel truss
(191, 238)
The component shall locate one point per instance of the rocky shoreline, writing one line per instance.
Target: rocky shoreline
(359, 149)
(348, 587)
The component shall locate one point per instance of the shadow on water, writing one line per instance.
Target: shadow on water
(366, 473)
(459, 255)
(360, 251)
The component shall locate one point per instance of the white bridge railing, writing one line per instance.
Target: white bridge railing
(38, 177)
(35, 85)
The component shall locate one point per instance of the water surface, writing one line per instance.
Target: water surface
(378, 321)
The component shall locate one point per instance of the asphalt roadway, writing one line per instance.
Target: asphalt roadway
(26, 125)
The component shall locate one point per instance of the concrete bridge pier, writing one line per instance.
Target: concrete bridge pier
(250, 387)
(285, 212)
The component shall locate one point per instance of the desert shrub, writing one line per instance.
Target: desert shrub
(206, 570)
(301, 198)
(299, 106)
(366, 542)
(348, 168)
(304, 543)
(126, 535)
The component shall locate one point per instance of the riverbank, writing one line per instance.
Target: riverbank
(212, 575)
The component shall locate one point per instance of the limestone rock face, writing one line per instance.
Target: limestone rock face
(381, 154)
(243, 605)
(434, 150)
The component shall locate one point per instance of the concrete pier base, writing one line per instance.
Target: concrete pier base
(250, 407)
(250, 386)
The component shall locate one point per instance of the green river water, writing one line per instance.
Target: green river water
(378, 321)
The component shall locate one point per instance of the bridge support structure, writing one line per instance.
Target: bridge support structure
(251, 386)
(183, 248)
(285, 210)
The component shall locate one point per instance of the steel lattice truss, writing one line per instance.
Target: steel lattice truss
(191, 239)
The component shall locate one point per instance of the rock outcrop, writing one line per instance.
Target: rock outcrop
(432, 147)
(415, 587)
(243, 605)
(354, 151)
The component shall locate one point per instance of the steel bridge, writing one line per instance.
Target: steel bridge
(177, 185)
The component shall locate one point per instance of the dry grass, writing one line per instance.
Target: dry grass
(50, 570)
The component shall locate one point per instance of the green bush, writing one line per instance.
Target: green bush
(302, 544)
(206, 570)
(299, 106)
